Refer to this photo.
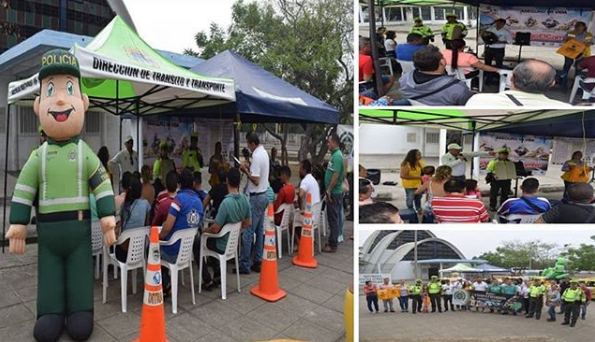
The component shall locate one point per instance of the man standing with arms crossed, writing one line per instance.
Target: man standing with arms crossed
(334, 192)
(435, 291)
(258, 183)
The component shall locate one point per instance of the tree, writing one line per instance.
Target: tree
(581, 258)
(530, 255)
(305, 42)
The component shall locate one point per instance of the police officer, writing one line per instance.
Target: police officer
(192, 158)
(572, 298)
(502, 171)
(415, 294)
(163, 165)
(435, 291)
(424, 31)
(453, 29)
(63, 172)
(536, 292)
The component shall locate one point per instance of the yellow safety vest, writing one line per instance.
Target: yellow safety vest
(588, 40)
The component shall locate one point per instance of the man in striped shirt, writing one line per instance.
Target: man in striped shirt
(456, 208)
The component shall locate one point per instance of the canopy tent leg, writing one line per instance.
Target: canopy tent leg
(477, 31)
(138, 137)
(5, 178)
(475, 161)
(442, 144)
(236, 136)
(374, 50)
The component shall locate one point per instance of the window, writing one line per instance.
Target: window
(412, 137)
(379, 237)
(2, 120)
(393, 14)
(432, 138)
(407, 236)
(426, 13)
(28, 122)
(432, 250)
(439, 13)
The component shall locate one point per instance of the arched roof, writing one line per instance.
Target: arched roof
(400, 253)
(380, 242)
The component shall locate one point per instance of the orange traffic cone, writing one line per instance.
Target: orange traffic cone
(268, 287)
(152, 324)
(305, 257)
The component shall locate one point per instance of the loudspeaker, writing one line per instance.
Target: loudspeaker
(522, 38)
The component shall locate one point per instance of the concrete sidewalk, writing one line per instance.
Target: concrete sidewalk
(467, 326)
(312, 310)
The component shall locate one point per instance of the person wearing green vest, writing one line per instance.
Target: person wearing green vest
(435, 291)
(509, 290)
(536, 292)
(163, 165)
(424, 31)
(453, 29)
(63, 172)
(572, 299)
(415, 294)
(501, 171)
(333, 180)
(192, 158)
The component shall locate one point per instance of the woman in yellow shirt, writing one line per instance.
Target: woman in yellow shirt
(575, 171)
(411, 178)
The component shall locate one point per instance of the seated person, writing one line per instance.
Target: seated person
(587, 66)
(405, 52)
(276, 182)
(217, 193)
(198, 186)
(148, 192)
(164, 201)
(455, 207)
(366, 69)
(365, 192)
(380, 212)
(235, 207)
(457, 58)
(286, 193)
(185, 212)
(527, 204)
(578, 209)
(429, 84)
(134, 214)
(126, 177)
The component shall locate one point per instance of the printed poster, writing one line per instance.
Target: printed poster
(547, 26)
(532, 150)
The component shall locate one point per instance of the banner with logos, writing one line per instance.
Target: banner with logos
(533, 151)
(548, 26)
(461, 297)
(375, 278)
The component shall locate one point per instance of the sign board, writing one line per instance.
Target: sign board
(376, 278)
(532, 150)
(461, 297)
(548, 26)
(564, 147)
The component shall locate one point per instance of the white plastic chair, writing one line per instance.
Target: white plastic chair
(183, 261)
(323, 217)
(505, 77)
(587, 94)
(231, 252)
(317, 223)
(520, 219)
(406, 66)
(135, 259)
(460, 74)
(386, 62)
(97, 245)
(286, 221)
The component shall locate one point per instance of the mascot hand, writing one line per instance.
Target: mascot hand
(108, 225)
(17, 233)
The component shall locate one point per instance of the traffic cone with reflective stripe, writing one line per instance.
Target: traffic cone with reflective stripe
(152, 324)
(268, 287)
(305, 256)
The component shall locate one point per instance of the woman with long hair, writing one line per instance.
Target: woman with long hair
(148, 190)
(103, 155)
(134, 213)
(215, 162)
(575, 171)
(434, 188)
(411, 178)
(456, 58)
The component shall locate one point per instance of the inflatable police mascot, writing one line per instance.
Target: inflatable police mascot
(62, 173)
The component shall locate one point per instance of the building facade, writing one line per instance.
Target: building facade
(401, 15)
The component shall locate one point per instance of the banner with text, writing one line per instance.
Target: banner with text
(533, 151)
(547, 26)
(375, 278)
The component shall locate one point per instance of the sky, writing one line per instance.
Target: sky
(475, 242)
(171, 24)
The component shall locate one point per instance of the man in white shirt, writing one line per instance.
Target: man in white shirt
(447, 290)
(528, 84)
(258, 184)
(124, 161)
(458, 161)
(480, 286)
(308, 184)
(496, 50)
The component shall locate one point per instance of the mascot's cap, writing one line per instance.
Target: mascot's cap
(451, 14)
(163, 144)
(59, 62)
(503, 150)
(194, 135)
(417, 19)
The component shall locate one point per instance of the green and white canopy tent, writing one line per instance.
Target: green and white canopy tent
(123, 74)
(460, 268)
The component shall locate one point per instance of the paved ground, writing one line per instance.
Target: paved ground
(467, 326)
(312, 310)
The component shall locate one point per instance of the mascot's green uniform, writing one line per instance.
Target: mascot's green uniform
(62, 173)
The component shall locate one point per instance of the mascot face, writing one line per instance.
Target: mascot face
(60, 106)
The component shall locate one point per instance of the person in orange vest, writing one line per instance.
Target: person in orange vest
(371, 296)
(575, 171)
(388, 303)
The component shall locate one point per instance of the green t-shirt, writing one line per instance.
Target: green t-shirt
(496, 289)
(234, 208)
(335, 164)
(510, 290)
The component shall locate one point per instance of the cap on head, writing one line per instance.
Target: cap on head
(503, 150)
(418, 281)
(451, 14)
(417, 19)
(454, 146)
(573, 282)
(59, 62)
(129, 138)
(194, 135)
(434, 277)
(163, 144)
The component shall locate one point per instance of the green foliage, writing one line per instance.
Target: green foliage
(581, 258)
(307, 43)
(530, 255)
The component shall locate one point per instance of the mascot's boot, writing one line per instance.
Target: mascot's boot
(79, 325)
(48, 328)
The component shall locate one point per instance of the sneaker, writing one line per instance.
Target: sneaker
(583, 318)
(551, 320)
(329, 249)
(255, 268)
(385, 310)
(340, 239)
(565, 323)
(242, 271)
(572, 325)
(392, 310)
